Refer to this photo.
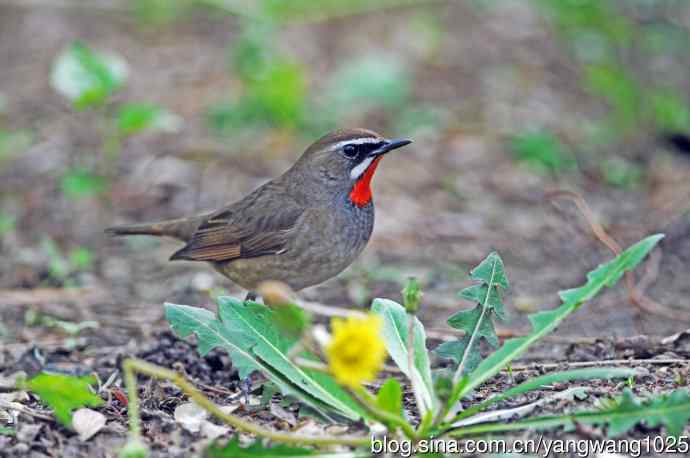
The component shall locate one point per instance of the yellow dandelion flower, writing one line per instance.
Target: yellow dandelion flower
(356, 351)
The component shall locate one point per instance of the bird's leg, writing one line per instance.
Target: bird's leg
(246, 383)
(245, 388)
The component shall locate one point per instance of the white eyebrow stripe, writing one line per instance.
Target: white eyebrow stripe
(357, 141)
(360, 168)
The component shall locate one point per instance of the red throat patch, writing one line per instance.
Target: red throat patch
(361, 191)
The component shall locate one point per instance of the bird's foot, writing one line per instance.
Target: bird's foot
(251, 296)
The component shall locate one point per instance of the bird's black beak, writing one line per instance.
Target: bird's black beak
(390, 145)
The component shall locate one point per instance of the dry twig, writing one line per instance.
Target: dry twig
(635, 291)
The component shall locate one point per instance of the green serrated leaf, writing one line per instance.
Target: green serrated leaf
(468, 319)
(389, 397)
(628, 411)
(249, 333)
(64, 393)
(477, 323)
(548, 379)
(491, 271)
(543, 323)
(395, 330)
(670, 410)
(257, 321)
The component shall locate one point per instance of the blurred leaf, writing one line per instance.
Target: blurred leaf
(86, 77)
(233, 449)
(279, 96)
(389, 397)
(671, 111)
(418, 120)
(620, 89)
(136, 117)
(81, 258)
(13, 143)
(64, 393)
(7, 223)
(542, 151)
(573, 18)
(4, 431)
(79, 182)
(622, 173)
(253, 51)
(367, 82)
(159, 12)
(58, 266)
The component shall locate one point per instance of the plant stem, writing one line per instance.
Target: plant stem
(133, 365)
(411, 367)
(369, 403)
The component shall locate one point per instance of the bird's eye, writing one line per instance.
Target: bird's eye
(350, 151)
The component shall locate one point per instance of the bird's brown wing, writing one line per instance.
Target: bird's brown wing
(224, 235)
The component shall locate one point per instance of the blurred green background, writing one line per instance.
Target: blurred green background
(117, 111)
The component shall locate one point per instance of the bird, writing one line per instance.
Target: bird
(300, 228)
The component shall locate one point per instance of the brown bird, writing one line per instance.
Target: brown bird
(300, 228)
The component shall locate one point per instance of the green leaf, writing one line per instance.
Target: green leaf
(670, 410)
(470, 321)
(250, 335)
(395, 330)
(662, 410)
(671, 111)
(78, 183)
(7, 223)
(64, 393)
(257, 323)
(542, 151)
(233, 449)
(291, 320)
(477, 323)
(81, 259)
(5, 431)
(621, 90)
(543, 323)
(133, 118)
(549, 379)
(86, 77)
(389, 397)
(387, 84)
(212, 333)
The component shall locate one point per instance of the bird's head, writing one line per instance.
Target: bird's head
(347, 159)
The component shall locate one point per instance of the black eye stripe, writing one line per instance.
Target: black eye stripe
(360, 151)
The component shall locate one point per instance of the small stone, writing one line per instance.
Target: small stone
(190, 416)
(87, 423)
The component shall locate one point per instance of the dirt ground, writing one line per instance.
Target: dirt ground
(442, 205)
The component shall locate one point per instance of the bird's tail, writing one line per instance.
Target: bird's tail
(181, 229)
